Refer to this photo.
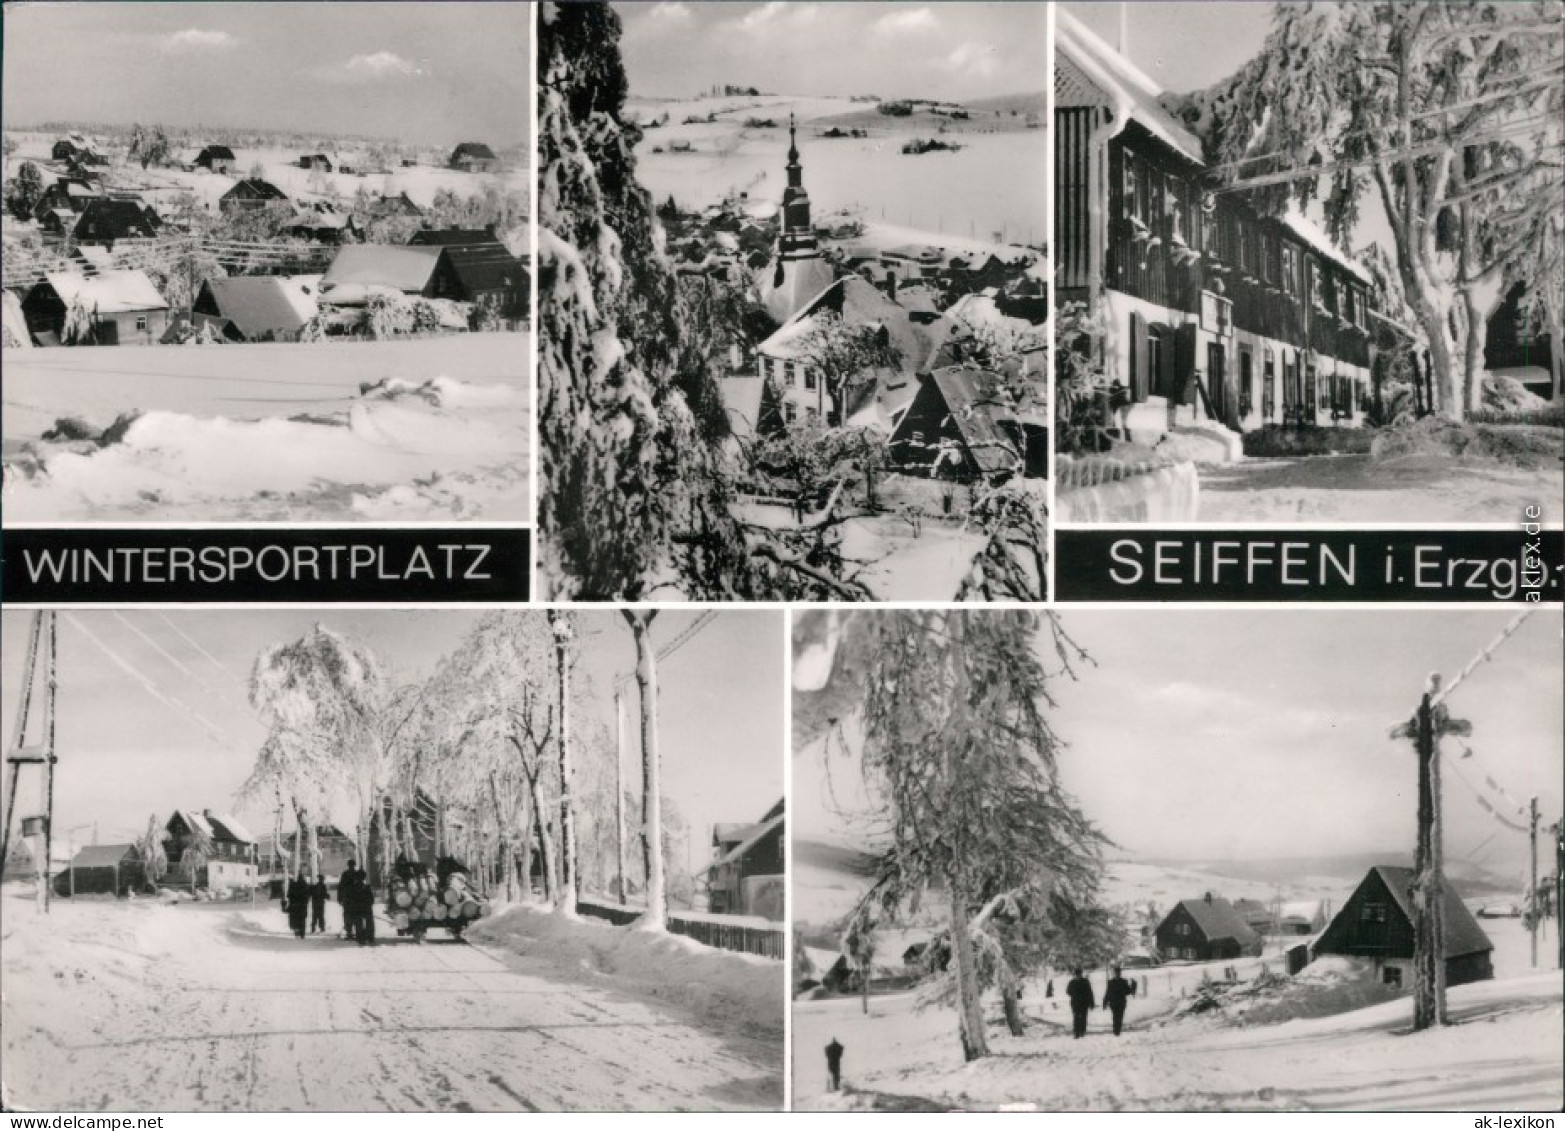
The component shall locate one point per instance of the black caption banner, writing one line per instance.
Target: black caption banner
(1403, 566)
(445, 565)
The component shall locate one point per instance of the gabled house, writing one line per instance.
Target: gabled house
(335, 846)
(257, 308)
(786, 358)
(474, 157)
(393, 207)
(322, 223)
(1376, 922)
(746, 875)
(123, 306)
(65, 195)
(315, 161)
(1212, 311)
(489, 274)
(107, 220)
(102, 869)
(210, 850)
(965, 425)
(455, 237)
(216, 159)
(77, 149)
(1205, 930)
(252, 192)
(1256, 914)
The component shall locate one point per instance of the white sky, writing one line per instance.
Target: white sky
(425, 73)
(897, 49)
(1256, 734)
(124, 755)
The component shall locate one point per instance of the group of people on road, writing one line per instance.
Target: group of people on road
(1116, 995)
(304, 901)
(358, 905)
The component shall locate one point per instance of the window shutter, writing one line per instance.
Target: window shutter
(1139, 362)
(1182, 391)
(1167, 383)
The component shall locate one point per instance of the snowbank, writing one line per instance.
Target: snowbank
(385, 442)
(1167, 494)
(716, 985)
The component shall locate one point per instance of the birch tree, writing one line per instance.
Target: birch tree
(640, 622)
(322, 697)
(1446, 115)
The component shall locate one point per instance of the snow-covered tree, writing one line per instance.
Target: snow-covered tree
(322, 697)
(154, 860)
(960, 762)
(635, 496)
(80, 327)
(846, 358)
(1448, 115)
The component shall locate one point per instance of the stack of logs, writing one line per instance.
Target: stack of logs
(421, 901)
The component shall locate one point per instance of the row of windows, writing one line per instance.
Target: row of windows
(1163, 204)
(790, 374)
(791, 412)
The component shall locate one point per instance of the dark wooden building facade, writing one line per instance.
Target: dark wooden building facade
(1211, 311)
(1205, 930)
(1377, 922)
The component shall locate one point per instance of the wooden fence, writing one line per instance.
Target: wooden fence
(709, 930)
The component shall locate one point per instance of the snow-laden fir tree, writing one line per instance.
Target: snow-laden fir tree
(960, 762)
(1447, 115)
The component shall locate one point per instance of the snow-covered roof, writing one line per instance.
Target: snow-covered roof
(755, 838)
(102, 855)
(227, 827)
(111, 292)
(258, 304)
(1311, 233)
(1217, 919)
(1134, 96)
(407, 269)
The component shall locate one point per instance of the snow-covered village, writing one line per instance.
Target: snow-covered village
(1308, 261)
(308, 298)
(793, 301)
(1037, 865)
(393, 860)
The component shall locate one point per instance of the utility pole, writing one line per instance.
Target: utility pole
(1534, 920)
(1425, 728)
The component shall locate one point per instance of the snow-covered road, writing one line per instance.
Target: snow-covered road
(115, 1006)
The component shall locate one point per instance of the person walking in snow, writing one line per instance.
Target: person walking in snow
(1114, 998)
(364, 906)
(298, 903)
(318, 905)
(345, 897)
(1079, 990)
(834, 1066)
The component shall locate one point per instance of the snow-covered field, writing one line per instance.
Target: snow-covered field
(135, 1006)
(1328, 1040)
(931, 193)
(274, 432)
(1347, 488)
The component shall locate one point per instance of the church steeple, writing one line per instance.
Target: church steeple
(797, 240)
